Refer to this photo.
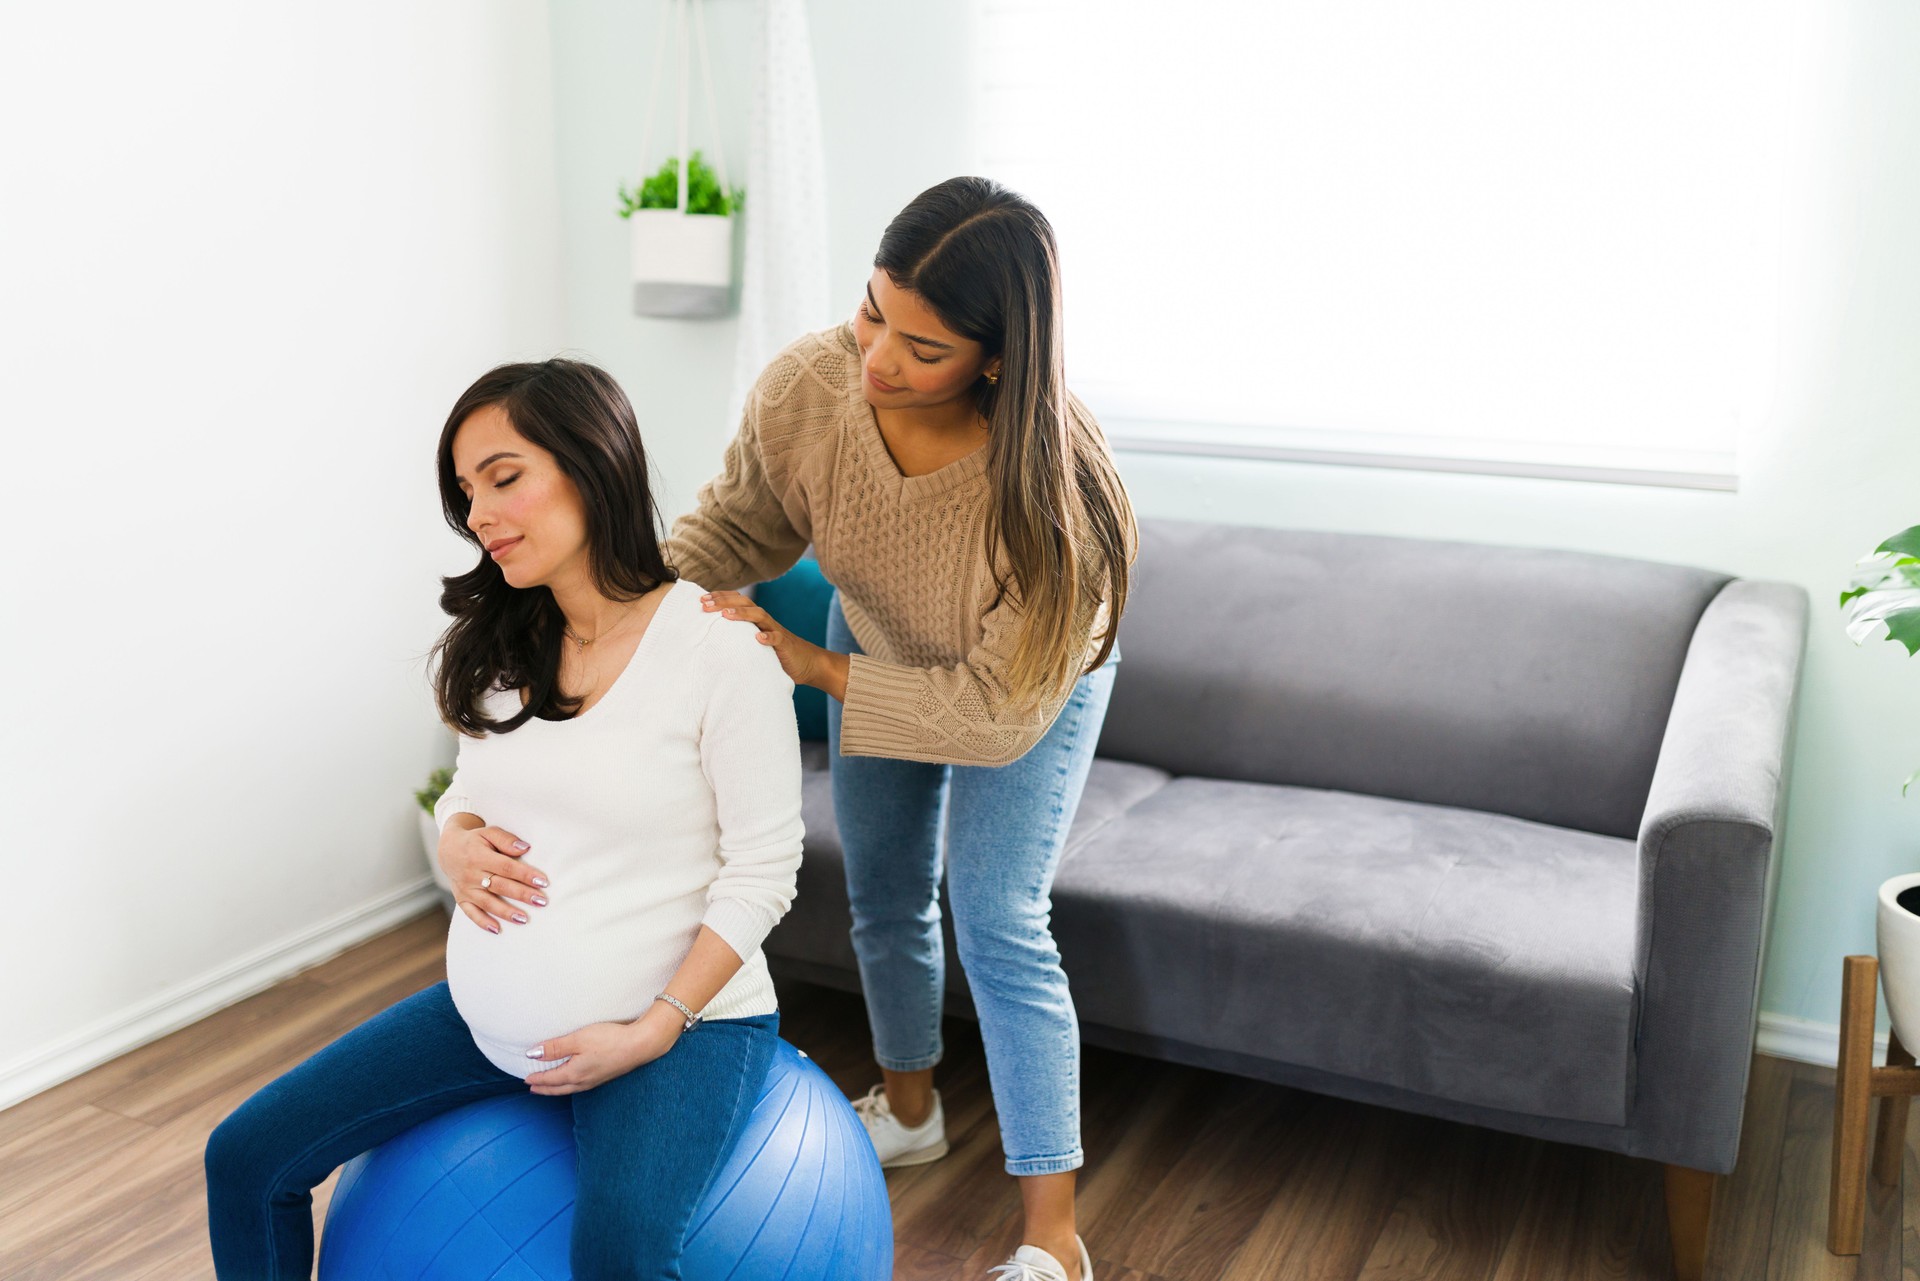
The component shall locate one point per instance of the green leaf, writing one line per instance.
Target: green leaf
(1858, 591)
(1884, 598)
(1903, 625)
(1904, 543)
(660, 190)
(437, 784)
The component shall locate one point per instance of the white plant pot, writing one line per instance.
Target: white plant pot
(1897, 931)
(430, 842)
(682, 263)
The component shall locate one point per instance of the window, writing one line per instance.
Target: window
(1494, 235)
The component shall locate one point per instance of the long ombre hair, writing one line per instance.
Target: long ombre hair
(985, 260)
(512, 636)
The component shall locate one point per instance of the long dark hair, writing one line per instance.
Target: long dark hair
(985, 260)
(511, 636)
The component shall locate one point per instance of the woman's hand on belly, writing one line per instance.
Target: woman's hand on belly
(471, 851)
(602, 1051)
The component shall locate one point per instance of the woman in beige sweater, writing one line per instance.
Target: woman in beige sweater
(966, 507)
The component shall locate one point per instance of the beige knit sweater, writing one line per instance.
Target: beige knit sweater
(809, 465)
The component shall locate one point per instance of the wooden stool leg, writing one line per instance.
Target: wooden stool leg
(1891, 1140)
(1689, 1216)
(1852, 1094)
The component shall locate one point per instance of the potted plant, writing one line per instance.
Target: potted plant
(437, 784)
(682, 240)
(1885, 592)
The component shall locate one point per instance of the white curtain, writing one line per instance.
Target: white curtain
(784, 289)
(1489, 229)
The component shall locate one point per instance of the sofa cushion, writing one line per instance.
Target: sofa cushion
(1525, 682)
(818, 928)
(1462, 955)
(1470, 956)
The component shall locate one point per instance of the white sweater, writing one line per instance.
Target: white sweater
(672, 802)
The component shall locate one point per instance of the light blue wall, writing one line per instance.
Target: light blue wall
(1833, 470)
(892, 78)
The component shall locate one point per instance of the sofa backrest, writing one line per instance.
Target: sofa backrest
(1519, 681)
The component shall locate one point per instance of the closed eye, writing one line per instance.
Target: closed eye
(465, 489)
(867, 312)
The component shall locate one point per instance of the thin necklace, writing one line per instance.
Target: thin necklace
(604, 631)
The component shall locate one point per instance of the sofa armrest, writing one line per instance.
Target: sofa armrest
(1708, 849)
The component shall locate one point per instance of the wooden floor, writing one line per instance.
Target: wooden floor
(1190, 1174)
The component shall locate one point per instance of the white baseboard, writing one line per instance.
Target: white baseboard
(188, 1002)
(1804, 1041)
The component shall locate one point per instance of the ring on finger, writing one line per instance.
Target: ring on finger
(486, 880)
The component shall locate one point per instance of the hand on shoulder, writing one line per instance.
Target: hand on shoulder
(737, 627)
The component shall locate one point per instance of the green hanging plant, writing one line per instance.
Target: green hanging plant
(1885, 591)
(437, 784)
(661, 190)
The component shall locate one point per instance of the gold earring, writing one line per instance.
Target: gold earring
(993, 378)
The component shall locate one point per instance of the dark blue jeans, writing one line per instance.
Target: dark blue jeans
(648, 1141)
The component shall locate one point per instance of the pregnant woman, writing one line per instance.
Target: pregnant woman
(622, 831)
(967, 509)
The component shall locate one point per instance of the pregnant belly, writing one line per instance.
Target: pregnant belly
(567, 967)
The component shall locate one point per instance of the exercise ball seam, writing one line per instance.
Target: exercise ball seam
(443, 1169)
(785, 1179)
(511, 1195)
(791, 1082)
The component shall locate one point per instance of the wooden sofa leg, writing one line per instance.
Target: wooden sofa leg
(1689, 1212)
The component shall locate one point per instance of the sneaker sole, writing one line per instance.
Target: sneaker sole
(919, 1156)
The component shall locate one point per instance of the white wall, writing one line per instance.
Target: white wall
(894, 82)
(249, 255)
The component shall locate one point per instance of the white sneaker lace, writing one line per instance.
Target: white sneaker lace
(874, 1103)
(1016, 1270)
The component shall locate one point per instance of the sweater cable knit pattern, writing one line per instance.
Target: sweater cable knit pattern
(809, 466)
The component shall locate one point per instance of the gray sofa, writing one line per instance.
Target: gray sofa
(1486, 833)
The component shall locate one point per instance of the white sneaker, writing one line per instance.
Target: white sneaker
(1031, 1263)
(895, 1143)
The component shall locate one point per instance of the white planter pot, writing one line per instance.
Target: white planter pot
(682, 263)
(1898, 934)
(430, 842)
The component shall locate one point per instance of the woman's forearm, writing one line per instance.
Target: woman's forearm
(708, 968)
(832, 676)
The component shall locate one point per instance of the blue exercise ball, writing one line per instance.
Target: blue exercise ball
(487, 1190)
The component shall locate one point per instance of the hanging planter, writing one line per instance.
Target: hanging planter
(682, 241)
(682, 220)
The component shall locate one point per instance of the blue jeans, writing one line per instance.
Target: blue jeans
(648, 1141)
(1006, 826)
